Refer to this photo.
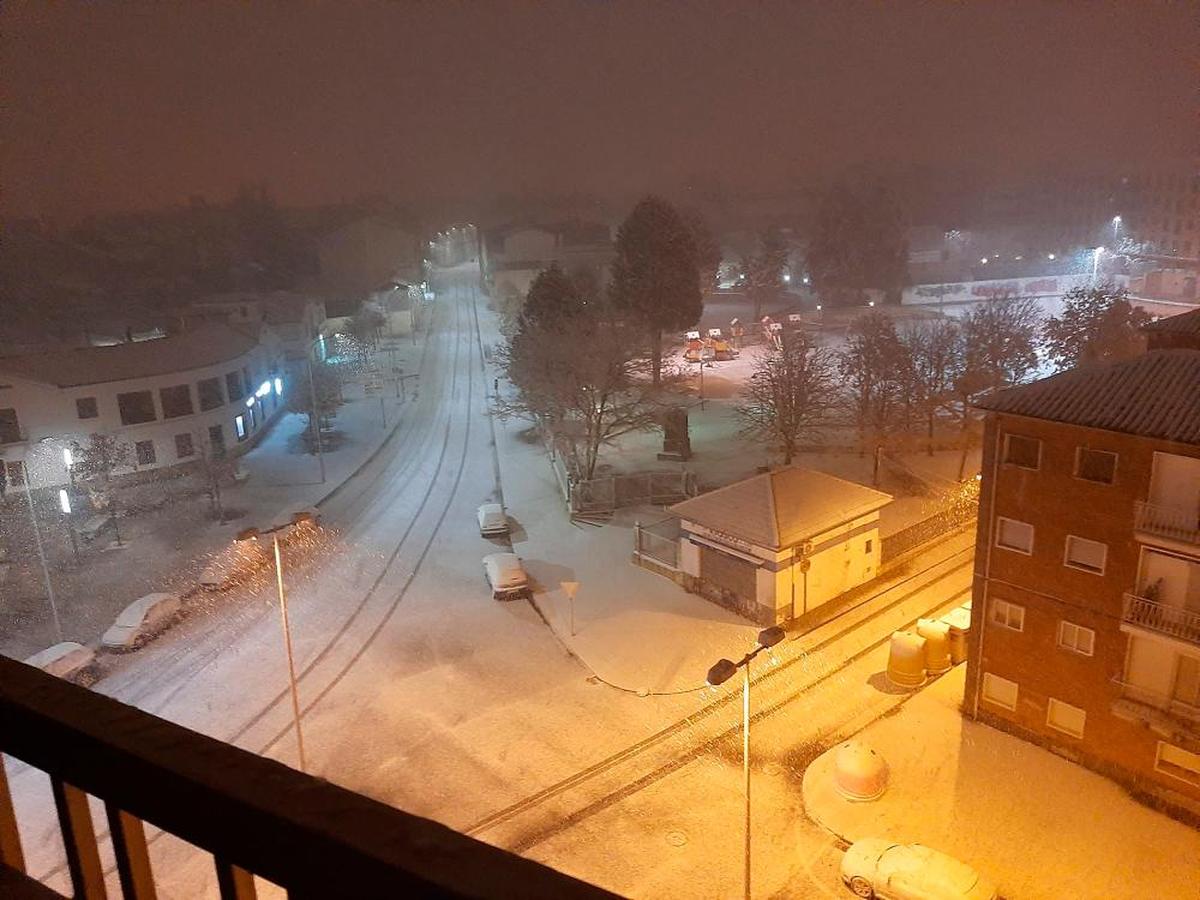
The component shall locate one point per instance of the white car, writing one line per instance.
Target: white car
(875, 867)
(492, 520)
(506, 576)
(142, 620)
(68, 660)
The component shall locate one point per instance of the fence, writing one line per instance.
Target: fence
(593, 495)
(926, 530)
(658, 541)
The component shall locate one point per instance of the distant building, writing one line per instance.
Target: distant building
(776, 546)
(295, 319)
(1085, 632)
(513, 255)
(214, 387)
(360, 255)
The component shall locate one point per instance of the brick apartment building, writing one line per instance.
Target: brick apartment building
(1085, 632)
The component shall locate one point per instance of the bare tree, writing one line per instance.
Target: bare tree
(872, 367)
(934, 354)
(327, 388)
(215, 468)
(98, 460)
(764, 269)
(789, 394)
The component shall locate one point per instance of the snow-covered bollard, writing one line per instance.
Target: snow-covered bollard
(906, 660)
(859, 773)
(937, 645)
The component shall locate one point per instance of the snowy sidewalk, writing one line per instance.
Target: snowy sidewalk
(1038, 825)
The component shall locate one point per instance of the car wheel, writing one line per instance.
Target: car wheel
(861, 887)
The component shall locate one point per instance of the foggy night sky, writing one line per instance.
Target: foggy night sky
(132, 106)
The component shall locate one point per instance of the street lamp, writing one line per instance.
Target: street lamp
(1116, 224)
(721, 672)
(253, 534)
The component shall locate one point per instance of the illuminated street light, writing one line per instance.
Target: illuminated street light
(253, 534)
(1116, 224)
(1049, 256)
(983, 260)
(721, 672)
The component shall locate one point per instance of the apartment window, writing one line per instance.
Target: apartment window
(233, 384)
(86, 407)
(176, 401)
(1008, 615)
(999, 690)
(136, 407)
(1076, 638)
(1065, 717)
(1177, 762)
(209, 390)
(184, 446)
(1014, 535)
(868, 546)
(1095, 465)
(239, 424)
(1023, 452)
(145, 452)
(1084, 554)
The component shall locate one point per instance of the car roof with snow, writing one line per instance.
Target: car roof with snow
(135, 612)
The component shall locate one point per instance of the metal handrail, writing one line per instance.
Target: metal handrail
(1157, 700)
(1174, 621)
(1177, 522)
(255, 815)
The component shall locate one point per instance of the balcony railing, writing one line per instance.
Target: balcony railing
(1175, 522)
(254, 815)
(1173, 621)
(1155, 706)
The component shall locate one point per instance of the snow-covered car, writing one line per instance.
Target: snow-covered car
(68, 660)
(506, 576)
(492, 520)
(875, 867)
(141, 621)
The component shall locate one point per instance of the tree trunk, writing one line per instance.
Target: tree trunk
(656, 357)
(931, 432)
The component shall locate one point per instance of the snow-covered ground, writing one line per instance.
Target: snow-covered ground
(1037, 824)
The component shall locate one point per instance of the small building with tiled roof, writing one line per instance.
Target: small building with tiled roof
(208, 390)
(778, 545)
(1181, 331)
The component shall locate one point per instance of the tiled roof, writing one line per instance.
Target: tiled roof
(781, 508)
(1155, 395)
(1183, 323)
(208, 344)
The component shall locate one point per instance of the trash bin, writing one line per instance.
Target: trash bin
(937, 645)
(906, 660)
(958, 625)
(859, 773)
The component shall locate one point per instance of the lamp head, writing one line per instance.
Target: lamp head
(769, 637)
(721, 672)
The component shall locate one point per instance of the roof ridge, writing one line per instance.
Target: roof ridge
(776, 531)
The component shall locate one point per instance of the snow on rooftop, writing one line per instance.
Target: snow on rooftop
(781, 508)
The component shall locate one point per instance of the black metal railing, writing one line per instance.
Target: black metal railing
(254, 815)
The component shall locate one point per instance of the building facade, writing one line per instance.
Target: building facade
(1085, 632)
(211, 389)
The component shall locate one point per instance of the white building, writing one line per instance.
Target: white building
(212, 387)
(776, 546)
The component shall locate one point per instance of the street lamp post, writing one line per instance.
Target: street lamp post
(316, 415)
(251, 534)
(37, 539)
(721, 672)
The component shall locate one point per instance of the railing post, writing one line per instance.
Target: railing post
(133, 858)
(10, 836)
(234, 882)
(79, 840)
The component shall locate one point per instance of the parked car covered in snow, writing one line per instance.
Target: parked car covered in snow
(492, 520)
(506, 576)
(875, 867)
(68, 660)
(141, 621)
